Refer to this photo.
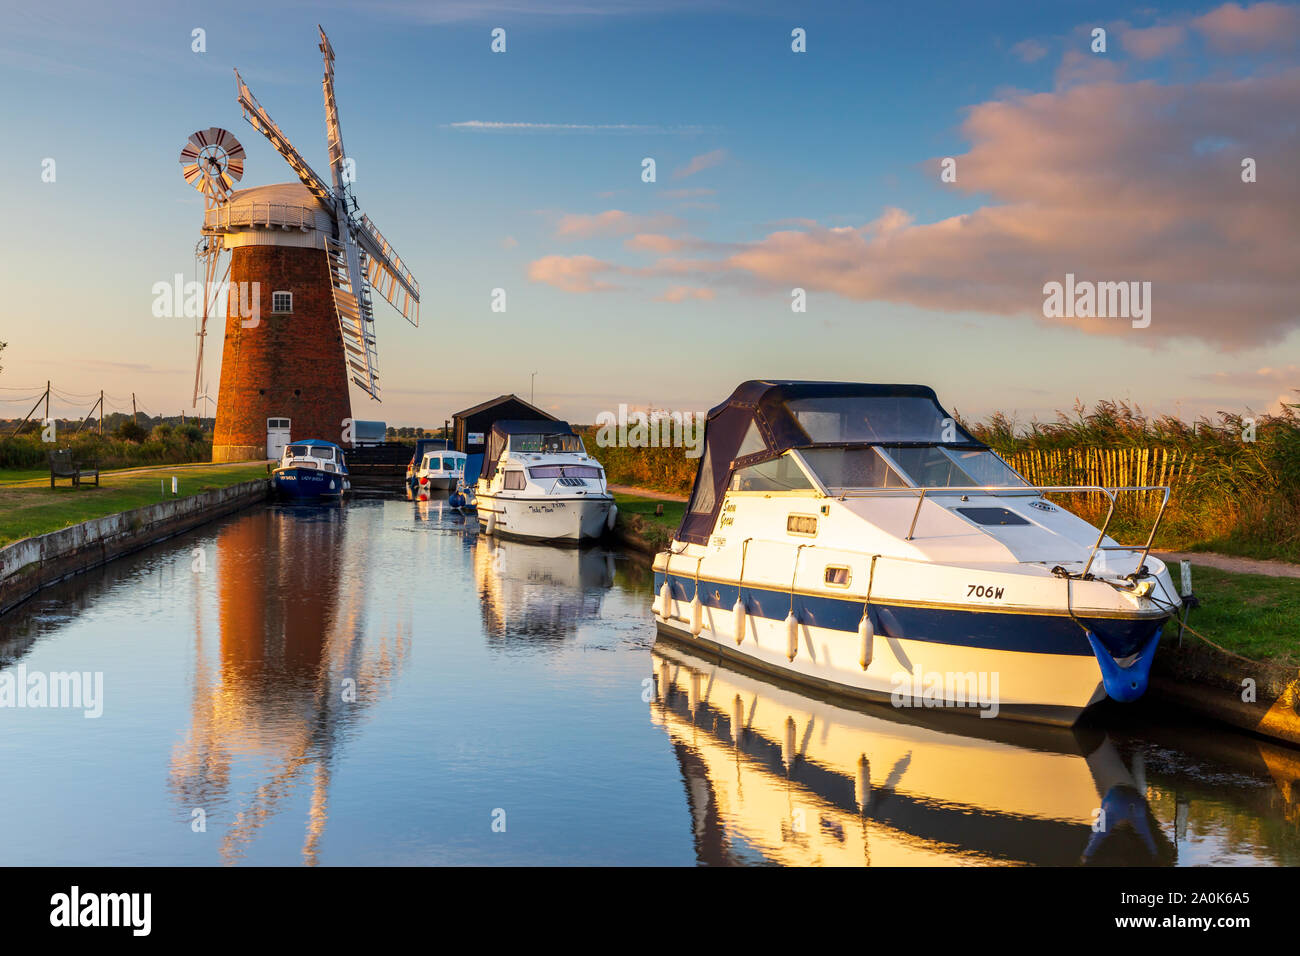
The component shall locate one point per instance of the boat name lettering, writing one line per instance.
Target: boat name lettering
(984, 590)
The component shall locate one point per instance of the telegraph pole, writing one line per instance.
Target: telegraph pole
(47, 400)
(134, 415)
(101, 413)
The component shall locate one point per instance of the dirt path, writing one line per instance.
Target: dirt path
(1228, 562)
(645, 493)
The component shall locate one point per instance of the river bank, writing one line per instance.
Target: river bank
(33, 563)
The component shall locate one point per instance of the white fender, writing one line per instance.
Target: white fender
(665, 600)
(791, 635)
(866, 638)
(697, 615)
(787, 745)
(738, 613)
(611, 517)
(862, 786)
(492, 523)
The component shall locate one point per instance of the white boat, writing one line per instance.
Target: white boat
(539, 483)
(311, 469)
(855, 538)
(439, 470)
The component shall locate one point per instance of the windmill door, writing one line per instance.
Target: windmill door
(277, 437)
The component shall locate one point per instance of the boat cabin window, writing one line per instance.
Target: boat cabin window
(310, 451)
(779, 474)
(546, 444)
(938, 467)
(875, 418)
(842, 468)
(564, 471)
(514, 480)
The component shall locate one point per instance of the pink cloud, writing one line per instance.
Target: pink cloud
(651, 242)
(1079, 68)
(572, 273)
(1148, 43)
(1109, 181)
(699, 163)
(1029, 51)
(1262, 26)
(680, 293)
(612, 222)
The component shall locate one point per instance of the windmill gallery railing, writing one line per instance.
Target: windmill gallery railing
(264, 214)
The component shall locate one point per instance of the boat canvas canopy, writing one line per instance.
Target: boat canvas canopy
(764, 419)
(499, 438)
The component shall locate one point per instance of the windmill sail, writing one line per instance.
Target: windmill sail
(387, 273)
(358, 255)
(355, 312)
(261, 121)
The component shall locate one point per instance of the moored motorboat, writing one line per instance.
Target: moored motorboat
(857, 539)
(440, 470)
(539, 483)
(310, 470)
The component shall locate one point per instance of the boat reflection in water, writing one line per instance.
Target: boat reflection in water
(775, 776)
(296, 663)
(539, 591)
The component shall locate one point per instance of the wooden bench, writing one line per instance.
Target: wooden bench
(63, 465)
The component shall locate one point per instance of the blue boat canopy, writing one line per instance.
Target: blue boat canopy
(502, 430)
(764, 419)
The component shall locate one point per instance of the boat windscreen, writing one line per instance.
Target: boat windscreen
(844, 468)
(934, 466)
(565, 471)
(545, 444)
(937, 467)
(875, 418)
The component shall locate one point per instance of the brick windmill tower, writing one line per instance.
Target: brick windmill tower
(301, 262)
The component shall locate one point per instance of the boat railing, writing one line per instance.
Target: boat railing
(1038, 491)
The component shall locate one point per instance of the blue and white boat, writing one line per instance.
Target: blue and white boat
(857, 539)
(311, 470)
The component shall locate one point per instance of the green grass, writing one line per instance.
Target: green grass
(34, 508)
(9, 476)
(638, 515)
(1254, 615)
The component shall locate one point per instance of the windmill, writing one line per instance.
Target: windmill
(321, 258)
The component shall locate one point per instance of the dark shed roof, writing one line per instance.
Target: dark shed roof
(480, 418)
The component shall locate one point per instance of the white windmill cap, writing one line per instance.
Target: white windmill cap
(283, 214)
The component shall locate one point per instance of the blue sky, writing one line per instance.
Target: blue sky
(800, 145)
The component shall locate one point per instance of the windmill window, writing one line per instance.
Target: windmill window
(281, 302)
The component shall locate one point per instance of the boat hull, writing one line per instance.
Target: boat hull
(1038, 667)
(307, 484)
(554, 519)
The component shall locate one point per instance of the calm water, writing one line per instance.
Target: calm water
(376, 684)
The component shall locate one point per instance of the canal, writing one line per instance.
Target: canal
(375, 683)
